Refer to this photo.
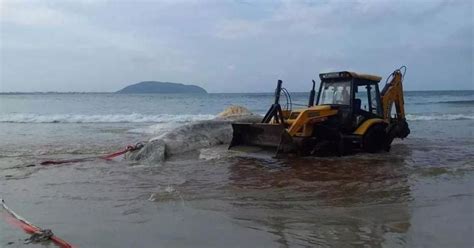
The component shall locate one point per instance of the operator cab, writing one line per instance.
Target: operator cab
(356, 96)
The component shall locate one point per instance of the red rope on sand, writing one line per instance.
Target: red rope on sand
(18, 221)
(15, 220)
(118, 153)
(106, 157)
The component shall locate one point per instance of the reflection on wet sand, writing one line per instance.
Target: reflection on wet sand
(355, 200)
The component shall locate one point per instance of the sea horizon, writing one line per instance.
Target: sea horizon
(114, 92)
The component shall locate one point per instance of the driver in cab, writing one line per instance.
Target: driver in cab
(341, 96)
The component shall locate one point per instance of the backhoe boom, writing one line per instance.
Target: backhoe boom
(392, 95)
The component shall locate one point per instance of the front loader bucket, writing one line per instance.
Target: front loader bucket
(261, 135)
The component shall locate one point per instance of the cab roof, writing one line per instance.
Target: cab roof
(349, 74)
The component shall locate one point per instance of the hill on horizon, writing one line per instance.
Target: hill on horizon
(161, 87)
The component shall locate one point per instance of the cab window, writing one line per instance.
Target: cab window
(369, 98)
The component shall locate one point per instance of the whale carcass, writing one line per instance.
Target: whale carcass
(193, 136)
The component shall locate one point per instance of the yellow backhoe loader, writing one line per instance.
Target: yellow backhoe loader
(350, 114)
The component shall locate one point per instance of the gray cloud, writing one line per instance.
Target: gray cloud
(231, 46)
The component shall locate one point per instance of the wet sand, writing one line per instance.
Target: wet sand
(418, 195)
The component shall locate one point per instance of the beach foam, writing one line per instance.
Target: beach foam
(440, 117)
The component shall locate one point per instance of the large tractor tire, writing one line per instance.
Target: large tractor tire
(375, 139)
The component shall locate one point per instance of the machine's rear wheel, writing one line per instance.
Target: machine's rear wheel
(375, 139)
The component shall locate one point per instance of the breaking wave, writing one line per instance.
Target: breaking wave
(156, 128)
(115, 118)
(440, 117)
(460, 102)
(453, 102)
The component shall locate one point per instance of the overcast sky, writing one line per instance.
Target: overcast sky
(231, 46)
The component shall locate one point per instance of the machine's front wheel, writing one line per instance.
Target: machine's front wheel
(375, 139)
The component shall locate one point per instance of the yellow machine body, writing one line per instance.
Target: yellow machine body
(362, 129)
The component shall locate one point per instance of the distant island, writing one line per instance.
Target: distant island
(161, 87)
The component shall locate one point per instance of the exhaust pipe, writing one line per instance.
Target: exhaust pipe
(278, 92)
(311, 95)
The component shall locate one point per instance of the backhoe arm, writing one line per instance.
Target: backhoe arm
(392, 94)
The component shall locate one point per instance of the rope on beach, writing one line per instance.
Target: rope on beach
(129, 148)
(37, 234)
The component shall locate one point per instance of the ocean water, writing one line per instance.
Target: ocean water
(421, 194)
